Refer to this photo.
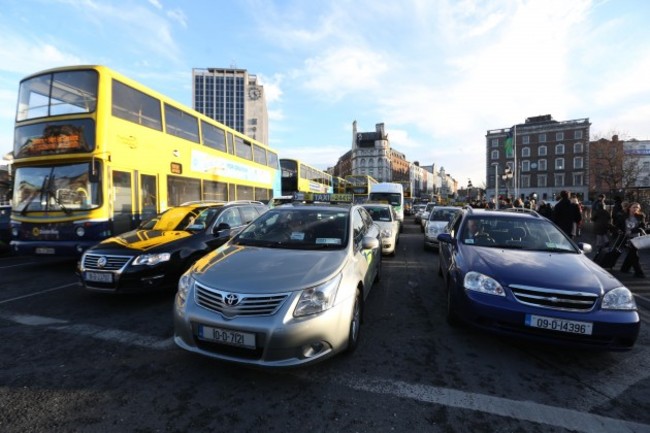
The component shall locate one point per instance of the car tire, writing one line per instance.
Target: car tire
(452, 316)
(355, 323)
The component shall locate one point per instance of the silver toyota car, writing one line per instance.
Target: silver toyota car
(288, 290)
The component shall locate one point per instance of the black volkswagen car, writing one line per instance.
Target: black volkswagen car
(154, 256)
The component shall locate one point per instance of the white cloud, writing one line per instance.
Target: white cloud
(343, 71)
(179, 16)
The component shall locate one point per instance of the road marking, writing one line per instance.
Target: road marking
(569, 419)
(39, 293)
(93, 331)
(19, 264)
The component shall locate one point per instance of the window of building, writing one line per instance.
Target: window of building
(494, 154)
(541, 181)
(525, 165)
(578, 179)
(559, 163)
(559, 149)
(559, 136)
(525, 181)
(646, 166)
(541, 150)
(542, 138)
(525, 139)
(495, 142)
(541, 165)
(578, 162)
(577, 134)
(525, 152)
(577, 148)
(559, 179)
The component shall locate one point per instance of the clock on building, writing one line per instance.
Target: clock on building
(254, 93)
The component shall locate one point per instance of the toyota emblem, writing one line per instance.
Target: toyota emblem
(231, 299)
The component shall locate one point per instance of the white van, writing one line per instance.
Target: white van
(392, 193)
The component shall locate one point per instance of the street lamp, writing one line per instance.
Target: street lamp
(469, 190)
(507, 175)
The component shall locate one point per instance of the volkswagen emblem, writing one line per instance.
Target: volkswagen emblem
(231, 299)
(101, 262)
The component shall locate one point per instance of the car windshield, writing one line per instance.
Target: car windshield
(442, 214)
(535, 234)
(379, 213)
(299, 228)
(181, 218)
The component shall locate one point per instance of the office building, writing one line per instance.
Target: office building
(233, 97)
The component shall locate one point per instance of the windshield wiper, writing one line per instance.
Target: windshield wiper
(52, 194)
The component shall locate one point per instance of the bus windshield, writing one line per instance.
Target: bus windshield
(392, 198)
(56, 188)
(57, 94)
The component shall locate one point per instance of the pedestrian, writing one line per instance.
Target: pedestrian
(545, 209)
(602, 220)
(632, 222)
(577, 227)
(566, 214)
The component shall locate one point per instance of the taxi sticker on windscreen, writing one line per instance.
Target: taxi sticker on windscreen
(328, 241)
(297, 236)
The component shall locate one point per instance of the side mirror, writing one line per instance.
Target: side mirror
(585, 247)
(220, 228)
(445, 237)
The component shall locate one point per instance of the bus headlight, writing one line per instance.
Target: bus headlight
(80, 231)
(151, 259)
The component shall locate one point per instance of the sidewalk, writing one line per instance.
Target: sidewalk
(639, 286)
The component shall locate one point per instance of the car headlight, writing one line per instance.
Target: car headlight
(317, 299)
(151, 259)
(185, 283)
(433, 230)
(386, 233)
(619, 298)
(478, 282)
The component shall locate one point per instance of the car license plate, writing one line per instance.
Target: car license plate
(227, 336)
(45, 250)
(99, 277)
(561, 325)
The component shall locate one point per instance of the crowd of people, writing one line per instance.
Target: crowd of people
(621, 219)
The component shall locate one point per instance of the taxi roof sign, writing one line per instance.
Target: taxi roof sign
(326, 198)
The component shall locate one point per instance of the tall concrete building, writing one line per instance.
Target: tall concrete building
(233, 97)
(543, 156)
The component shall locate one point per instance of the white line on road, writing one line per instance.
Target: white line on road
(38, 293)
(520, 410)
(569, 419)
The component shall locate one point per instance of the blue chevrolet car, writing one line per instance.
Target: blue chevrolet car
(517, 273)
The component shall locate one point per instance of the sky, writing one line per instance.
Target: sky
(438, 73)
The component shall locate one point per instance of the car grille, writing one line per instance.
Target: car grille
(113, 263)
(242, 304)
(554, 299)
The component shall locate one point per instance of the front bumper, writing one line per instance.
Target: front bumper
(280, 340)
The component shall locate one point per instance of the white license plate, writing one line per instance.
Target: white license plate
(99, 277)
(45, 250)
(561, 325)
(227, 336)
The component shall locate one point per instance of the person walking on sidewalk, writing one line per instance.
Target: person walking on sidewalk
(632, 222)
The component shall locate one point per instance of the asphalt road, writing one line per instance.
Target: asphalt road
(74, 361)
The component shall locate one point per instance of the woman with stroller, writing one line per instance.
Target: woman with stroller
(632, 222)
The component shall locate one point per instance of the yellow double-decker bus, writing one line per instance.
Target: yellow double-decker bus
(359, 185)
(96, 153)
(300, 177)
(339, 185)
